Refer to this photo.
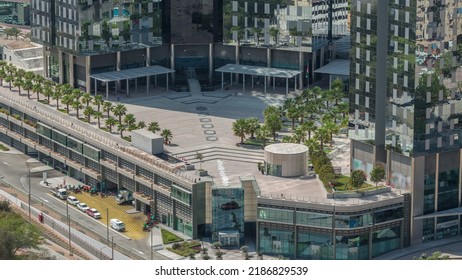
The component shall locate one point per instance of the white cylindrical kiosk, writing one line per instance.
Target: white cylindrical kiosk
(286, 159)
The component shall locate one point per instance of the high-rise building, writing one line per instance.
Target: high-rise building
(86, 37)
(405, 105)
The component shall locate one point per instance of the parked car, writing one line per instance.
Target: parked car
(230, 205)
(83, 207)
(92, 212)
(72, 200)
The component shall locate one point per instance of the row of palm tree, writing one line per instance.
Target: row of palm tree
(64, 94)
(319, 114)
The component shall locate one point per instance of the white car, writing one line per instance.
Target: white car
(72, 200)
(83, 207)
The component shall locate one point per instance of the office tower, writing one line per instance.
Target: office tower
(405, 105)
(86, 37)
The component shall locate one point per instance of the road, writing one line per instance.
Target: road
(14, 172)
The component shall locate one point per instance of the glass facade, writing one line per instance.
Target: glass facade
(423, 95)
(447, 226)
(448, 189)
(86, 27)
(352, 247)
(91, 152)
(294, 24)
(363, 66)
(313, 245)
(385, 240)
(429, 193)
(228, 214)
(320, 235)
(15, 12)
(279, 240)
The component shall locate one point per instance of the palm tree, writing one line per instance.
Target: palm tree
(57, 94)
(343, 108)
(67, 100)
(257, 33)
(48, 90)
(309, 126)
(88, 112)
(76, 105)
(167, 135)
(293, 112)
(28, 85)
(240, 128)
(119, 111)
(129, 119)
(98, 101)
(154, 127)
(131, 127)
(322, 134)
(77, 93)
(3, 74)
(18, 82)
(98, 116)
(141, 125)
(332, 128)
(252, 125)
(9, 79)
(110, 122)
(86, 98)
(107, 106)
(37, 88)
(299, 135)
(272, 110)
(337, 90)
(274, 124)
(274, 32)
(121, 129)
(262, 133)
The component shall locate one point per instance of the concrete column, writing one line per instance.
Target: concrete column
(236, 59)
(167, 80)
(128, 89)
(45, 63)
(287, 86)
(148, 63)
(87, 73)
(268, 62)
(96, 87)
(118, 61)
(71, 70)
(210, 63)
(118, 68)
(107, 90)
(243, 83)
(313, 64)
(172, 61)
(61, 66)
(321, 58)
(300, 68)
(222, 81)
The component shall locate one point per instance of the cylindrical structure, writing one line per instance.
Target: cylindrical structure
(286, 159)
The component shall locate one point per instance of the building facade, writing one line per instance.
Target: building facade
(405, 105)
(84, 37)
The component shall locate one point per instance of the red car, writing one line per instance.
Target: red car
(92, 212)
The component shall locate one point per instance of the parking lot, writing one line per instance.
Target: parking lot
(133, 222)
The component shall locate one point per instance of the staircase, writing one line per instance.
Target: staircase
(231, 154)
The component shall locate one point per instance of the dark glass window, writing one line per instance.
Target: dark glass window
(448, 189)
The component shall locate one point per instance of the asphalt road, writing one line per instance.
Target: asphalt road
(14, 171)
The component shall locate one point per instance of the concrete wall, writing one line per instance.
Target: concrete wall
(147, 141)
(292, 164)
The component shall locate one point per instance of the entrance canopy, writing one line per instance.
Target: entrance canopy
(338, 67)
(128, 74)
(258, 71)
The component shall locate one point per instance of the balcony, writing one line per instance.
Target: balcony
(109, 164)
(143, 198)
(143, 180)
(128, 173)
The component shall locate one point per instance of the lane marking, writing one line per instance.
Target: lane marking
(6, 163)
(44, 199)
(138, 251)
